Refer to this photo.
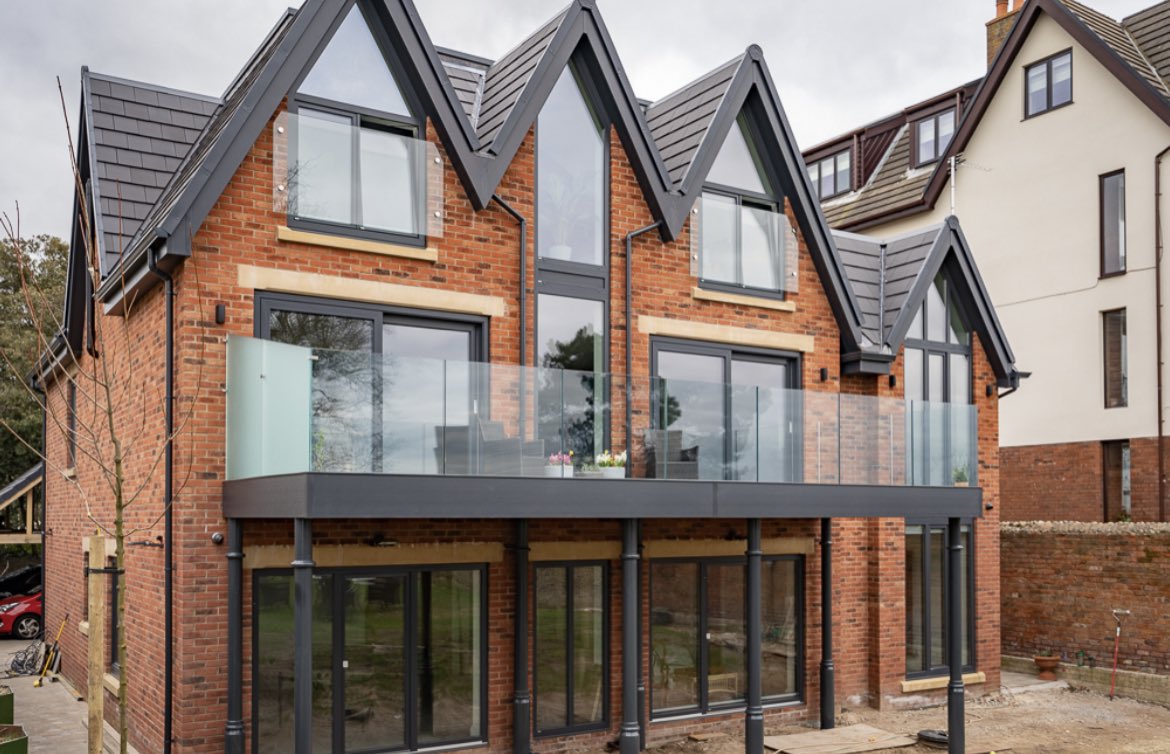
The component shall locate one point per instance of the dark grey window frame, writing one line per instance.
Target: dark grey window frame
(411, 620)
(755, 199)
(603, 724)
(400, 123)
(1047, 63)
(1123, 369)
(704, 706)
(927, 623)
(730, 353)
(932, 119)
(1122, 240)
(814, 164)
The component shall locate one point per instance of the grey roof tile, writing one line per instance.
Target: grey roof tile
(679, 121)
(506, 78)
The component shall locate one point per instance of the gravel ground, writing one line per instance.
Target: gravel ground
(1055, 721)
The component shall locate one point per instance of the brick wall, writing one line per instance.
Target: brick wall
(1066, 482)
(1060, 582)
(476, 254)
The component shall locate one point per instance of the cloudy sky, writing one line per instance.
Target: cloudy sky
(837, 63)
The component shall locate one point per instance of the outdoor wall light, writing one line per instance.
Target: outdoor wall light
(220, 314)
(893, 380)
(990, 390)
(824, 374)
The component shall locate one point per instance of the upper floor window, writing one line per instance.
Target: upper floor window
(832, 175)
(1049, 84)
(932, 136)
(741, 230)
(1113, 223)
(570, 177)
(1116, 359)
(357, 163)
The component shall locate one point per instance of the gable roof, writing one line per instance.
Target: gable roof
(27, 480)
(893, 276)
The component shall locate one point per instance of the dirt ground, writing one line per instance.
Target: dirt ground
(1060, 720)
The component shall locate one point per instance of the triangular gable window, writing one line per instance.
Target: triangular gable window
(736, 165)
(352, 70)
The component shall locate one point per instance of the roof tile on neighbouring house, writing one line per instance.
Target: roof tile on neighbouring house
(1150, 30)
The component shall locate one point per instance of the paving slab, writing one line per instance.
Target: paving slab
(52, 717)
(847, 739)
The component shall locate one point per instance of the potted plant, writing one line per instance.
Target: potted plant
(13, 740)
(6, 707)
(959, 476)
(1047, 664)
(612, 465)
(560, 465)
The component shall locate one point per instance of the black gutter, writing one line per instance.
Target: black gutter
(630, 341)
(1158, 330)
(523, 294)
(168, 491)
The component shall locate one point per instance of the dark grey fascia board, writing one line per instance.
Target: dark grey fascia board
(866, 362)
(86, 141)
(381, 496)
(134, 278)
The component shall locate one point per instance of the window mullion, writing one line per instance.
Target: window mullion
(355, 148)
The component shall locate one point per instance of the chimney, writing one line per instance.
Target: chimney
(999, 27)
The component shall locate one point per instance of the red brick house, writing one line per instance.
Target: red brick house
(420, 307)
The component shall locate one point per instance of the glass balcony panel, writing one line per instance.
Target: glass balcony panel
(292, 409)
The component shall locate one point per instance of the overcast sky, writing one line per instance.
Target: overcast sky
(837, 63)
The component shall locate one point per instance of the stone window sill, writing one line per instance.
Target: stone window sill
(739, 299)
(290, 235)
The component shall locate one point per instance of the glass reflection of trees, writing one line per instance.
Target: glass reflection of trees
(569, 399)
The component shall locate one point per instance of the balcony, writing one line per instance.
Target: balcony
(293, 410)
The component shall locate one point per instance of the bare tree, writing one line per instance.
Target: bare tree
(116, 448)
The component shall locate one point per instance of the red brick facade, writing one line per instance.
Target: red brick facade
(1073, 482)
(477, 254)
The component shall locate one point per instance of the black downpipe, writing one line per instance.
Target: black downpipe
(828, 669)
(629, 738)
(168, 490)
(641, 634)
(522, 699)
(234, 731)
(630, 344)
(523, 296)
(1158, 358)
(44, 499)
(754, 714)
(956, 734)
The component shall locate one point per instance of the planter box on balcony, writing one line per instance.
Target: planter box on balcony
(13, 740)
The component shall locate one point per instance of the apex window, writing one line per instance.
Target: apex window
(932, 136)
(1048, 84)
(832, 175)
(1112, 223)
(1116, 359)
(742, 234)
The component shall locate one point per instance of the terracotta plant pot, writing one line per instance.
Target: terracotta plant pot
(1047, 665)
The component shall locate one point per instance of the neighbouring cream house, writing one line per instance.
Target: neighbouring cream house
(1056, 156)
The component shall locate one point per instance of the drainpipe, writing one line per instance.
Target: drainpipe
(168, 490)
(1158, 329)
(44, 497)
(630, 343)
(523, 297)
(522, 699)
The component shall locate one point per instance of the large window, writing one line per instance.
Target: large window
(832, 175)
(937, 381)
(926, 587)
(1112, 186)
(723, 413)
(398, 659)
(394, 390)
(572, 389)
(358, 166)
(698, 633)
(570, 177)
(1049, 84)
(1116, 358)
(932, 136)
(570, 649)
(740, 226)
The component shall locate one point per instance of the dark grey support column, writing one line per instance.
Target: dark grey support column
(754, 717)
(303, 636)
(828, 672)
(233, 737)
(641, 658)
(629, 738)
(522, 701)
(956, 733)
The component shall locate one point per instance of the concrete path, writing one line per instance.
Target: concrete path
(52, 717)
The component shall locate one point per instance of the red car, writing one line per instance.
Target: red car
(21, 616)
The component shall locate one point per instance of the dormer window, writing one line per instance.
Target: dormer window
(833, 175)
(932, 137)
(1049, 84)
(741, 228)
(358, 166)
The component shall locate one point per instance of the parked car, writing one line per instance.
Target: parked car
(20, 616)
(22, 581)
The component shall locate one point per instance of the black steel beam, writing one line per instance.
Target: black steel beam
(629, 740)
(522, 699)
(303, 636)
(956, 733)
(828, 670)
(233, 738)
(754, 715)
(382, 496)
